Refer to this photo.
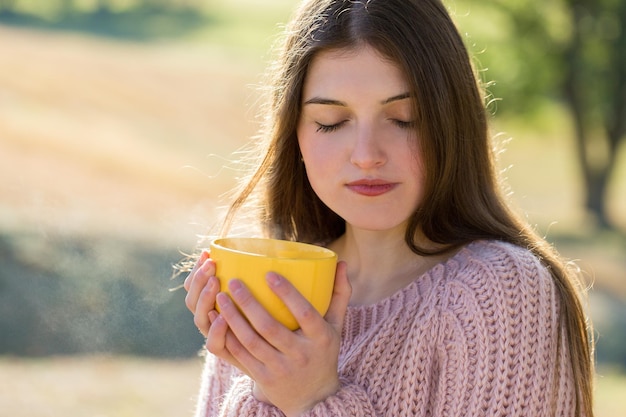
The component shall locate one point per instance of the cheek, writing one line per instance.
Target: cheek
(418, 168)
(314, 153)
(416, 160)
(415, 164)
(320, 167)
(317, 164)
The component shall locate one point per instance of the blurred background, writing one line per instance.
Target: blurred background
(120, 125)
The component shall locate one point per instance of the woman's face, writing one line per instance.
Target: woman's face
(357, 138)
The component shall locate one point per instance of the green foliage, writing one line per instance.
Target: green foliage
(248, 23)
(559, 51)
(516, 45)
(523, 46)
(128, 19)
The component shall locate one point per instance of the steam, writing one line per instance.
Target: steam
(63, 295)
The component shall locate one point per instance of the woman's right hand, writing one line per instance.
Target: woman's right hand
(202, 287)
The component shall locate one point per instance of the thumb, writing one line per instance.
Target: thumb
(340, 298)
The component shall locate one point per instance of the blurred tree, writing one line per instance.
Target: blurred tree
(575, 50)
(142, 20)
(7, 5)
(69, 7)
(594, 87)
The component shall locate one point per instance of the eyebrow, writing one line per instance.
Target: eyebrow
(397, 98)
(326, 101)
(331, 102)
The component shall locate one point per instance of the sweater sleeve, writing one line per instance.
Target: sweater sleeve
(500, 350)
(351, 400)
(225, 392)
(217, 378)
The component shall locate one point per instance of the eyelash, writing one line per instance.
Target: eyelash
(331, 128)
(328, 128)
(403, 125)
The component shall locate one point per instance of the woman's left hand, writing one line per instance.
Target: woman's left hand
(293, 370)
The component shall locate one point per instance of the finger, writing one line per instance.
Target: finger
(252, 348)
(206, 304)
(272, 331)
(198, 282)
(221, 340)
(340, 298)
(216, 337)
(306, 315)
(203, 257)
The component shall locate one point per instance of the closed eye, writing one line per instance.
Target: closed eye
(328, 128)
(403, 124)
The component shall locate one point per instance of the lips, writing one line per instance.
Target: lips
(371, 187)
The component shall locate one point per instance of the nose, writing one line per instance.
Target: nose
(367, 151)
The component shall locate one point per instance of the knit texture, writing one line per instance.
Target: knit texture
(475, 336)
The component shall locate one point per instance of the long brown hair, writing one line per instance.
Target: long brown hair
(462, 199)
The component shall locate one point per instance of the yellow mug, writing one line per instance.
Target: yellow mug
(310, 268)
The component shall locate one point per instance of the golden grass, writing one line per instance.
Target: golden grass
(110, 137)
(131, 387)
(609, 394)
(98, 386)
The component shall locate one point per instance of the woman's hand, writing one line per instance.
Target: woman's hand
(202, 286)
(293, 370)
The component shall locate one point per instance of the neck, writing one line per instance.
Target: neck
(379, 263)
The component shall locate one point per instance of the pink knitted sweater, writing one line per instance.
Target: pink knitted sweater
(474, 336)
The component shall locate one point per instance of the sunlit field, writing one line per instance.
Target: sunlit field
(139, 141)
(131, 387)
(98, 386)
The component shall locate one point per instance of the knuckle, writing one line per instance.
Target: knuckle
(244, 299)
(199, 321)
(251, 342)
(269, 328)
(205, 291)
(189, 303)
(326, 338)
(308, 312)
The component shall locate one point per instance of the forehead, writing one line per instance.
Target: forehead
(362, 68)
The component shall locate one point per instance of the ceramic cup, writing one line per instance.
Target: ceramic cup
(310, 268)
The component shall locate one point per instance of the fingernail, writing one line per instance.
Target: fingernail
(222, 299)
(206, 266)
(235, 286)
(212, 283)
(201, 259)
(212, 316)
(273, 279)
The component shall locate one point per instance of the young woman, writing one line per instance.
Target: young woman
(445, 303)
